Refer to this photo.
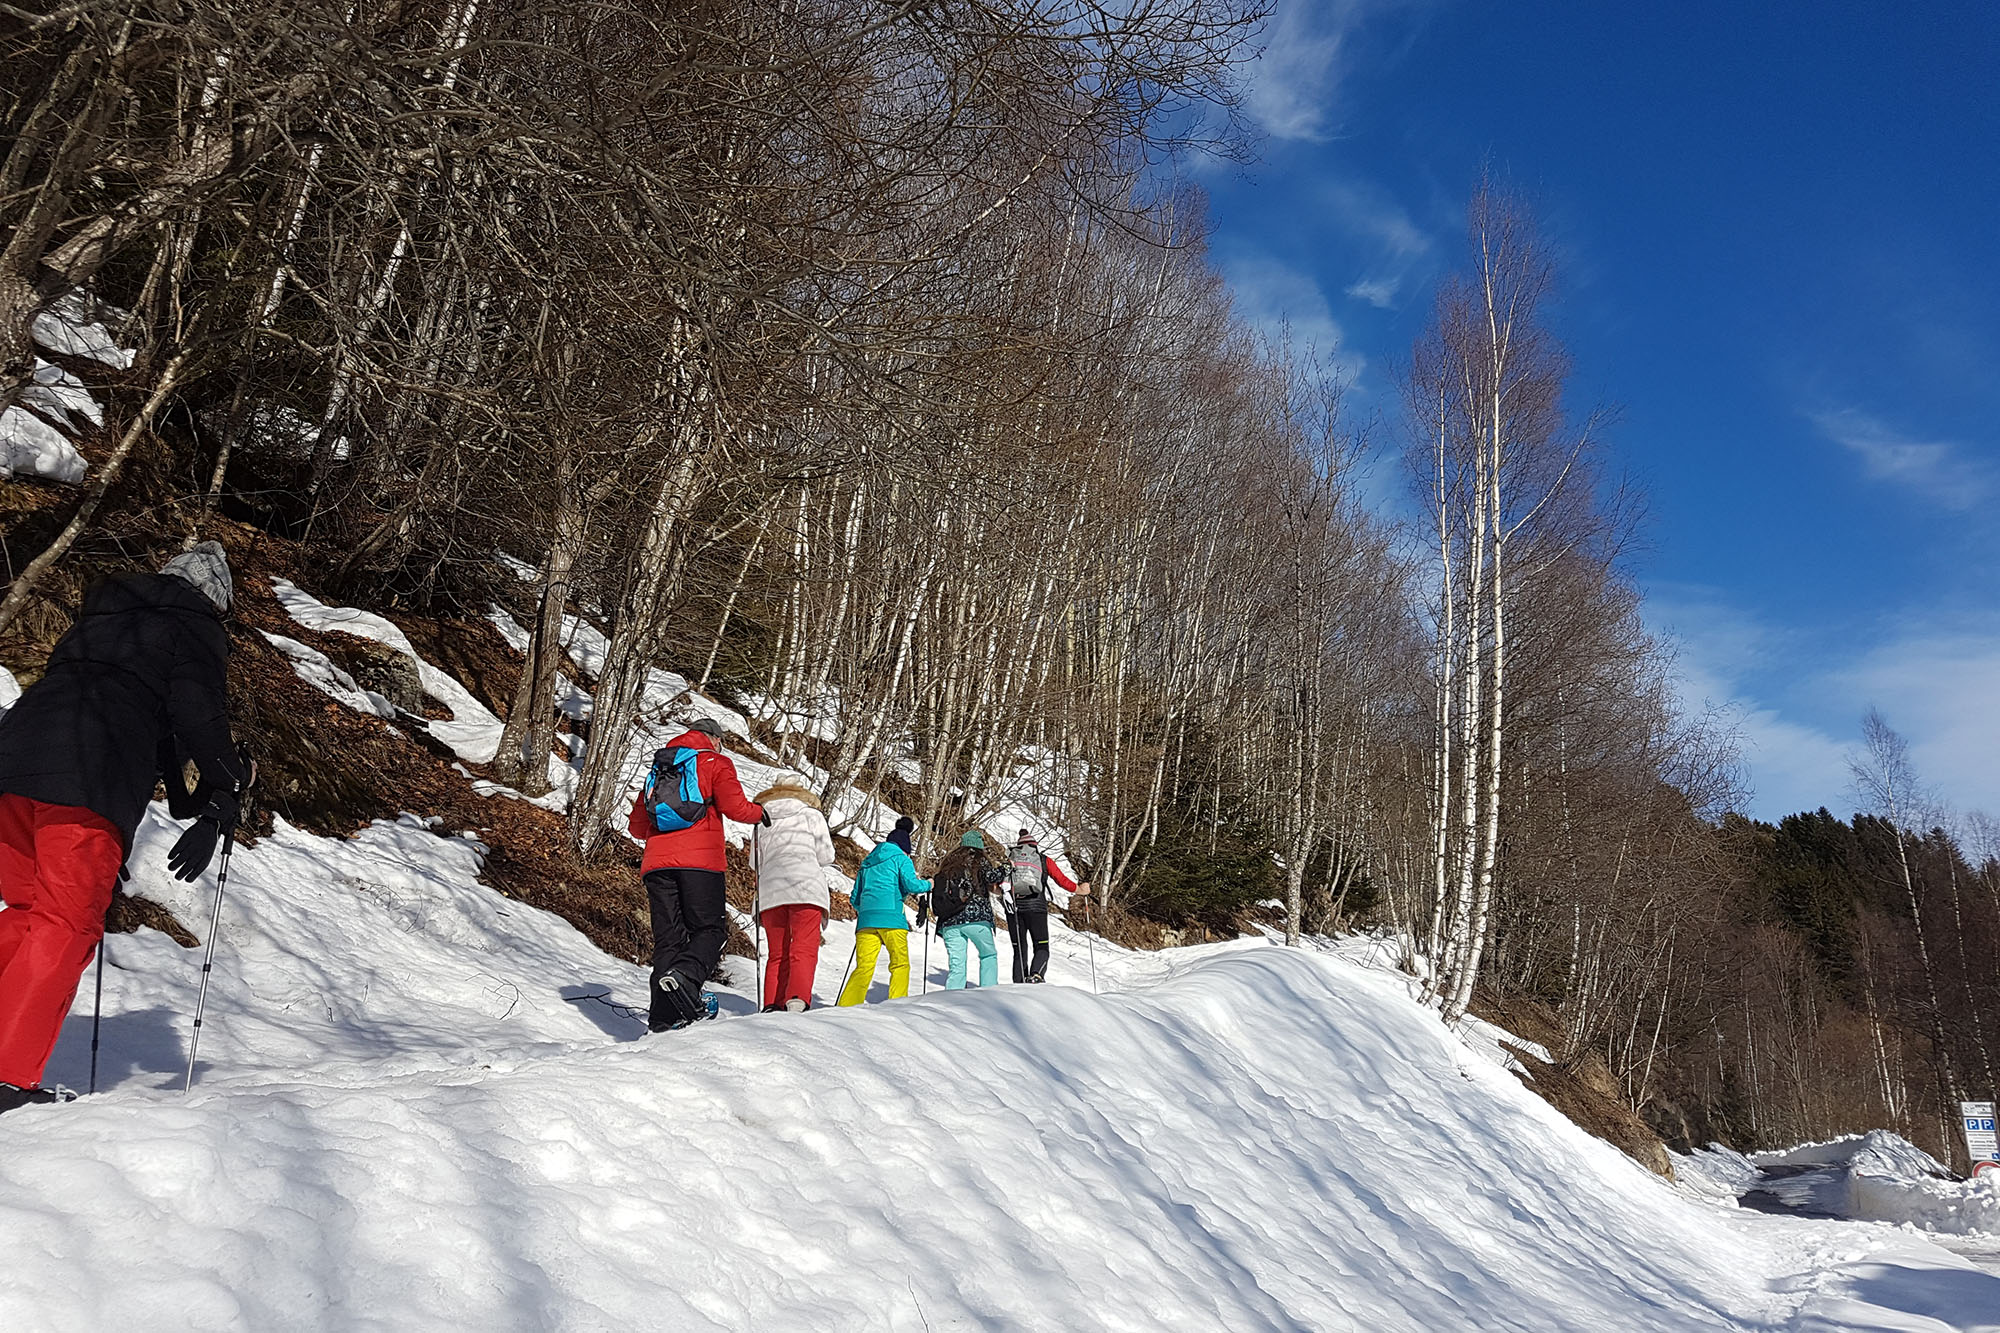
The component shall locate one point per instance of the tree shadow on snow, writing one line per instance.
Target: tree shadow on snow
(730, 1003)
(1952, 1296)
(613, 1017)
(131, 1046)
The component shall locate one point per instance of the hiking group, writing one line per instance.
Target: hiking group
(678, 815)
(135, 691)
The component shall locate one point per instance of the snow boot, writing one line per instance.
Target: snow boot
(795, 1006)
(11, 1096)
(675, 1004)
(679, 1004)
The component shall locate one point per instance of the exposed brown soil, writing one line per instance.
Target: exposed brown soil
(1581, 1086)
(472, 651)
(1125, 928)
(130, 911)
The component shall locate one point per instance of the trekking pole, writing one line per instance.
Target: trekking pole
(852, 950)
(208, 954)
(215, 917)
(1090, 938)
(758, 917)
(96, 1014)
(927, 961)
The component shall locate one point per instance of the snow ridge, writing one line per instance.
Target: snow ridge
(413, 1113)
(403, 1121)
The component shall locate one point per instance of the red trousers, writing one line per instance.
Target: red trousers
(793, 931)
(58, 867)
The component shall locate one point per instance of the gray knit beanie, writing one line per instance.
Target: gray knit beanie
(206, 567)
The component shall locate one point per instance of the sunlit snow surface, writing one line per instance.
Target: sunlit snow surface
(402, 1121)
(422, 1105)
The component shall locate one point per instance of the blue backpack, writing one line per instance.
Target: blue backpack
(673, 789)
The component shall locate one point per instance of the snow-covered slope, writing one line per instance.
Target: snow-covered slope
(404, 1122)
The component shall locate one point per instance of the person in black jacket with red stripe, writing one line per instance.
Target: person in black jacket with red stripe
(1027, 903)
(136, 687)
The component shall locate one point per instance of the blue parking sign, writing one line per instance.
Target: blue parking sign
(1981, 1144)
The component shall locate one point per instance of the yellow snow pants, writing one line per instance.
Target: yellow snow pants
(868, 946)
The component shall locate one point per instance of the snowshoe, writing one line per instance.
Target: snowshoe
(710, 1008)
(11, 1096)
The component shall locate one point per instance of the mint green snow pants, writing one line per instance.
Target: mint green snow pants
(980, 934)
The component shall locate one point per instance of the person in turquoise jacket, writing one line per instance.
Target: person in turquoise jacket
(887, 877)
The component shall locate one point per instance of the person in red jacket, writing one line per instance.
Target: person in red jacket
(683, 874)
(1027, 905)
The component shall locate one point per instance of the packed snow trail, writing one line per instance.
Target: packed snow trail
(1873, 1177)
(404, 1123)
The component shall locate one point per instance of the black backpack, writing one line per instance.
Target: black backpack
(673, 789)
(949, 896)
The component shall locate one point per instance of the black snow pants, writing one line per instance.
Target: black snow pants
(1027, 926)
(689, 930)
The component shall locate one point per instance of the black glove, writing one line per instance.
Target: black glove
(222, 807)
(766, 821)
(923, 912)
(196, 847)
(192, 853)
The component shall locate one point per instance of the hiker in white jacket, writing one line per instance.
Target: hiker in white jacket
(791, 854)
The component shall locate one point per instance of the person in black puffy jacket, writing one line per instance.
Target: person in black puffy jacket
(136, 687)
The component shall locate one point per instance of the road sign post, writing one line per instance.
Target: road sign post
(1981, 1144)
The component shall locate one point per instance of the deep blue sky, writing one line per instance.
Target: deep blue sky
(1779, 227)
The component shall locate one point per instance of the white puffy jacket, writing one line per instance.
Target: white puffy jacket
(791, 856)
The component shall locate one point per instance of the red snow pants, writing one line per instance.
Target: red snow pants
(58, 867)
(793, 930)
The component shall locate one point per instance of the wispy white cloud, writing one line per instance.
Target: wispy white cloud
(1390, 245)
(1798, 705)
(1373, 215)
(1940, 471)
(1280, 300)
(1935, 685)
(1722, 652)
(1308, 51)
(1379, 292)
(1792, 766)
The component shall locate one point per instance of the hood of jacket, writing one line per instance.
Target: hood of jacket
(789, 791)
(887, 875)
(205, 568)
(885, 852)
